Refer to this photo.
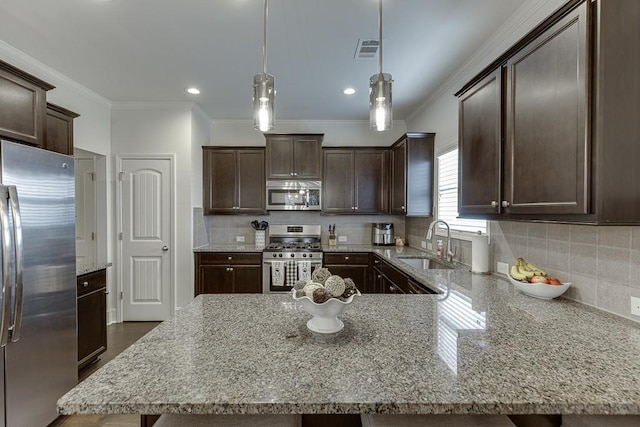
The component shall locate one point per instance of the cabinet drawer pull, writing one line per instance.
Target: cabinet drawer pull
(229, 258)
(346, 258)
(85, 284)
(505, 204)
(392, 289)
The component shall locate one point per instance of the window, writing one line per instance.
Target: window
(448, 196)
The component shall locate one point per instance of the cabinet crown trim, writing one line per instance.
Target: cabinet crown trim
(26, 76)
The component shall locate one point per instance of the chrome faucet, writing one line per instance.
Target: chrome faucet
(449, 254)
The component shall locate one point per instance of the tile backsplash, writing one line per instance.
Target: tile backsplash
(223, 229)
(602, 262)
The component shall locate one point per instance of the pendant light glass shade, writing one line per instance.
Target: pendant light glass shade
(264, 92)
(263, 99)
(380, 112)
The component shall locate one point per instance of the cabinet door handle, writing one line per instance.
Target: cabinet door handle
(392, 289)
(291, 173)
(229, 258)
(494, 204)
(356, 208)
(379, 276)
(505, 204)
(375, 261)
(346, 258)
(402, 207)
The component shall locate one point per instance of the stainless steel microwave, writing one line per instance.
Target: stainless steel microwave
(294, 195)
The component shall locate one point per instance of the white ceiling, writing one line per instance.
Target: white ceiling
(151, 50)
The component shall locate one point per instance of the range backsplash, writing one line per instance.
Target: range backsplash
(223, 229)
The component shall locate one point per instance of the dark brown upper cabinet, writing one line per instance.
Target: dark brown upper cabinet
(412, 167)
(59, 136)
(569, 97)
(294, 156)
(480, 146)
(233, 180)
(22, 105)
(355, 181)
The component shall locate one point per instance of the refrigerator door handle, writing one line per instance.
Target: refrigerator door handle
(19, 249)
(6, 266)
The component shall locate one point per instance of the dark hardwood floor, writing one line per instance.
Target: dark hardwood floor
(119, 337)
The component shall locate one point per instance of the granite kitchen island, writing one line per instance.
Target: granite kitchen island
(478, 347)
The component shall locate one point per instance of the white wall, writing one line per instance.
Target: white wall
(163, 129)
(439, 113)
(336, 132)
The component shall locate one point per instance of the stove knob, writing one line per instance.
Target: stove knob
(292, 255)
(304, 255)
(275, 255)
(310, 255)
(280, 255)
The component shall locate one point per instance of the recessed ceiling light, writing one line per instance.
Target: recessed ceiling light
(349, 91)
(193, 91)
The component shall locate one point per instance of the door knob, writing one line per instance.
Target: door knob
(165, 248)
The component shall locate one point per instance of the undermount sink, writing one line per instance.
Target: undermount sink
(424, 263)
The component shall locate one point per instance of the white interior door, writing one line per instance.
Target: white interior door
(85, 211)
(146, 238)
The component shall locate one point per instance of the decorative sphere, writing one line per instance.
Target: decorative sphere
(335, 285)
(320, 275)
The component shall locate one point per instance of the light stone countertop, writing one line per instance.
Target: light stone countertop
(86, 268)
(479, 346)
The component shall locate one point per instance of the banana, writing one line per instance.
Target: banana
(529, 269)
(526, 273)
(515, 273)
(537, 271)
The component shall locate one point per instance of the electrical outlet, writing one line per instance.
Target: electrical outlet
(342, 239)
(503, 268)
(239, 239)
(635, 306)
(423, 244)
(429, 246)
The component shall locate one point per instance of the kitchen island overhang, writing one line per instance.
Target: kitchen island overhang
(480, 348)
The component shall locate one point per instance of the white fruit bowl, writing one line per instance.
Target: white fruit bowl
(325, 316)
(540, 290)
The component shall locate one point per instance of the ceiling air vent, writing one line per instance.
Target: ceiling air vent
(366, 49)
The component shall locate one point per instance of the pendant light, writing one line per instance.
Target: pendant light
(380, 113)
(263, 89)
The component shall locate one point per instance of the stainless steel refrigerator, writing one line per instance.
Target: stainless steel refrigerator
(38, 295)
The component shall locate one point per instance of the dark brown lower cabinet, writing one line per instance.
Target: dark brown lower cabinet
(228, 273)
(92, 316)
(389, 280)
(352, 265)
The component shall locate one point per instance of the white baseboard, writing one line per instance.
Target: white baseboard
(112, 316)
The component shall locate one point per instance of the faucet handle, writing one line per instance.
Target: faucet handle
(452, 254)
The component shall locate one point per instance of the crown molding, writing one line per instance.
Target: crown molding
(152, 105)
(21, 60)
(293, 123)
(199, 111)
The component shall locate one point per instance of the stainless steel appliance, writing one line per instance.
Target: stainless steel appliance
(38, 298)
(292, 254)
(382, 233)
(294, 195)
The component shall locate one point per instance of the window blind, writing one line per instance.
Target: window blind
(448, 195)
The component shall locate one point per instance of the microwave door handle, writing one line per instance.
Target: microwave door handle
(6, 266)
(19, 250)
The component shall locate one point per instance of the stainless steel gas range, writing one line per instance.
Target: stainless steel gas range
(292, 254)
